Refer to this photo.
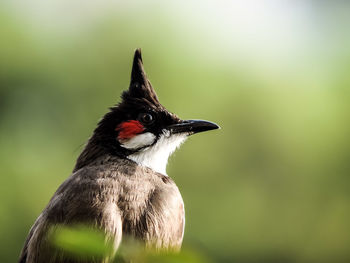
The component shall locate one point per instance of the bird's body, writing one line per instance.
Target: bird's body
(117, 196)
(119, 184)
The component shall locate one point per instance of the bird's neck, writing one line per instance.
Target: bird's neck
(92, 151)
(154, 157)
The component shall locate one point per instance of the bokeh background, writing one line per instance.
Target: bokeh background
(271, 186)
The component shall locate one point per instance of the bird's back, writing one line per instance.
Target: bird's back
(117, 196)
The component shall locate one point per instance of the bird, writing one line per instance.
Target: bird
(119, 183)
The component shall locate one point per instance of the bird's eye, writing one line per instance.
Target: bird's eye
(146, 118)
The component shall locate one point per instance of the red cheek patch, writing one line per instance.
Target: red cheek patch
(129, 129)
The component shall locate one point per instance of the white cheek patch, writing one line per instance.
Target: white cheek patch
(156, 156)
(138, 141)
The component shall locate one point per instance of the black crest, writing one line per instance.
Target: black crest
(140, 86)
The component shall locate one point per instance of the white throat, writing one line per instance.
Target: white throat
(156, 156)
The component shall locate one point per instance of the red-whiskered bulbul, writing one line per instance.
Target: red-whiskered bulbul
(119, 183)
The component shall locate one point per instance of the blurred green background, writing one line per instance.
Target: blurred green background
(271, 186)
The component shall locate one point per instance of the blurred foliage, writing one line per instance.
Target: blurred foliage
(271, 186)
(83, 242)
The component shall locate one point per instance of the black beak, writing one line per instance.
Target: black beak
(192, 126)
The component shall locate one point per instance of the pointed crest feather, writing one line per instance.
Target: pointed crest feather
(140, 86)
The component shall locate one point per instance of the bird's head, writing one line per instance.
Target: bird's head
(140, 128)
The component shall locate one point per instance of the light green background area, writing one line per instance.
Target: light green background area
(271, 186)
